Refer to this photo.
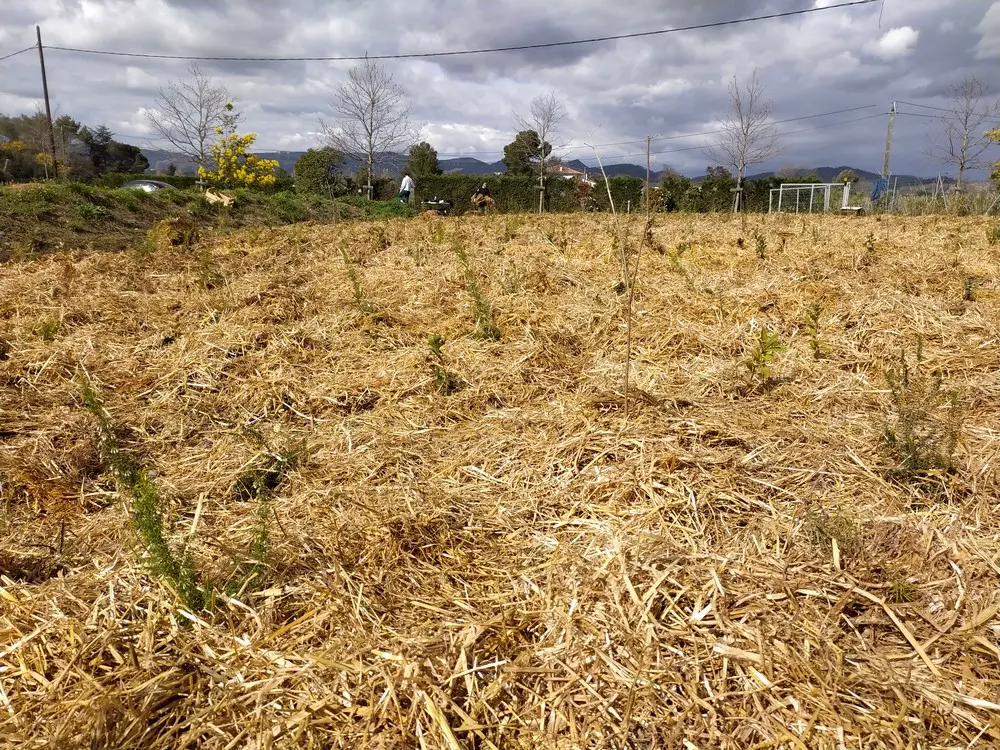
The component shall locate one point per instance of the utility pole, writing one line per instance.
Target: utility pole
(48, 108)
(888, 142)
(649, 139)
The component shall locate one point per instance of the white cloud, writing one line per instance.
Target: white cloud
(615, 92)
(989, 32)
(897, 43)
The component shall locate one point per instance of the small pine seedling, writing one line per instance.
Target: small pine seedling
(146, 508)
(486, 327)
(993, 234)
(761, 247)
(758, 362)
(447, 381)
(259, 484)
(48, 329)
(356, 289)
(925, 423)
(969, 289)
(813, 313)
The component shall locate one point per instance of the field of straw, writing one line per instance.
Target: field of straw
(395, 461)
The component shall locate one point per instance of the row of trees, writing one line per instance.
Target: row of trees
(197, 117)
(82, 152)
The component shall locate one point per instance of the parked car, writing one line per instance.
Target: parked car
(149, 186)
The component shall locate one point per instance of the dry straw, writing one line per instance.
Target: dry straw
(508, 564)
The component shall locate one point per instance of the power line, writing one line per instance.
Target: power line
(19, 52)
(927, 106)
(453, 53)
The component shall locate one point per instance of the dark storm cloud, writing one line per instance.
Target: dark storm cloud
(672, 84)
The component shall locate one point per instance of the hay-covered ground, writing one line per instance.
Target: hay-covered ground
(515, 564)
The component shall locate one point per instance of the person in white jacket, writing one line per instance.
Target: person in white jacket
(405, 188)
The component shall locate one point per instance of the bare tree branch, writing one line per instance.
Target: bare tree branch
(747, 134)
(962, 142)
(372, 116)
(186, 114)
(545, 115)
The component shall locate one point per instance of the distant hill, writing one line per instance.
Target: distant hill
(393, 164)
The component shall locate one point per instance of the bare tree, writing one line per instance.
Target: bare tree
(963, 141)
(746, 134)
(372, 116)
(544, 116)
(186, 114)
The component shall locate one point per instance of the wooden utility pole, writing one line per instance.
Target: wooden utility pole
(48, 108)
(888, 142)
(649, 139)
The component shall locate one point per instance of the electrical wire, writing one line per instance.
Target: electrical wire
(19, 52)
(926, 106)
(454, 53)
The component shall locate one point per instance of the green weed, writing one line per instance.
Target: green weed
(925, 423)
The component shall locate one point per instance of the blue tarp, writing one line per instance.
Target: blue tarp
(881, 186)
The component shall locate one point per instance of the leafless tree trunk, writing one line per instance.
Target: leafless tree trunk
(747, 136)
(187, 113)
(544, 117)
(963, 141)
(372, 116)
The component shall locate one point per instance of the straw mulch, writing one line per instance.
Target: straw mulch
(517, 564)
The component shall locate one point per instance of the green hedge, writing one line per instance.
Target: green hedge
(520, 193)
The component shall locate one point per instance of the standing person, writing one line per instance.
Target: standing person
(482, 198)
(405, 188)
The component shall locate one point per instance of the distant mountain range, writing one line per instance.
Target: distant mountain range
(394, 164)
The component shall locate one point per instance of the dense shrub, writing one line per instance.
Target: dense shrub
(318, 171)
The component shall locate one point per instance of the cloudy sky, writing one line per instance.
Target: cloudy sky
(670, 85)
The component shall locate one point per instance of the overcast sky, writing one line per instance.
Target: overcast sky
(670, 85)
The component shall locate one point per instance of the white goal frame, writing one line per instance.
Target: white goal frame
(824, 188)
